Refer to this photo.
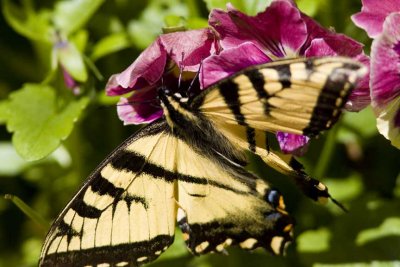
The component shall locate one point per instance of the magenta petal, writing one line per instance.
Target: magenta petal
(334, 45)
(385, 62)
(230, 61)
(113, 88)
(68, 80)
(360, 98)
(293, 143)
(278, 31)
(373, 14)
(145, 71)
(314, 30)
(141, 107)
(189, 48)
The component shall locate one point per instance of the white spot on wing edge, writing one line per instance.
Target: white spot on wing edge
(202, 246)
(220, 247)
(248, 243)
(141, 259)
(276, 244)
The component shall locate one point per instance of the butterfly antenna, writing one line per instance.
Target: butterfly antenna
(137, 102)
(340, 205)
(195, 78)
(180, 71)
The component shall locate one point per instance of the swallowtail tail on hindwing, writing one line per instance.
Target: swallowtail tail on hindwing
(187, 169)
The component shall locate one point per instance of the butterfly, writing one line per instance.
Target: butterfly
(186, 169)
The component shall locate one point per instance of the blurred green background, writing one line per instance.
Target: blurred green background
(359, 166)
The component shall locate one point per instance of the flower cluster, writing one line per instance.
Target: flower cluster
(381, 20)
(232, 42)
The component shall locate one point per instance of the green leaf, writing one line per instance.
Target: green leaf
(31, 250)
(345, 188)
(80, 39)
(71, 15)
(3, 111)
(174, 21)
(309, 7)
(13, 164)
(38, 123)
(110, 44)
(314, 240)
(361, 264)
(363, 122)
(196, 23)
(34, 26)
(71, 59)
(143, 33)
(147, 28)
(389, 227)
(250, 7)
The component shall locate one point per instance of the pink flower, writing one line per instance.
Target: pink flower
(373, 14)
(381, 20)
(385, 79)
(235, 42)
(280, 31)
(293, 143)
(160, 64)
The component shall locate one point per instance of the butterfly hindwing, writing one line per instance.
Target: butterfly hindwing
(222, 204)
(256, 141)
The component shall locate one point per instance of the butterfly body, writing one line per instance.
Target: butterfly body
(187, 169)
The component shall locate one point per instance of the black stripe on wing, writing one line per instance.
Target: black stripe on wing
(331, 100)
(137, 253)
(230, 92)
(158, 172)
(258, 81)
(285, 75)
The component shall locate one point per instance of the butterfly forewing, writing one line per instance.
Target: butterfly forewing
(122, 216)
(301, 96)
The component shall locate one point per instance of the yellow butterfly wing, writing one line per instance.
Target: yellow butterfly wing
(126, 212)
(300, 96)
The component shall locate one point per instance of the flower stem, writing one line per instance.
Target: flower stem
(28, 211)
(326, 154)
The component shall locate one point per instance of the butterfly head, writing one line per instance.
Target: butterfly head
(176, 109)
